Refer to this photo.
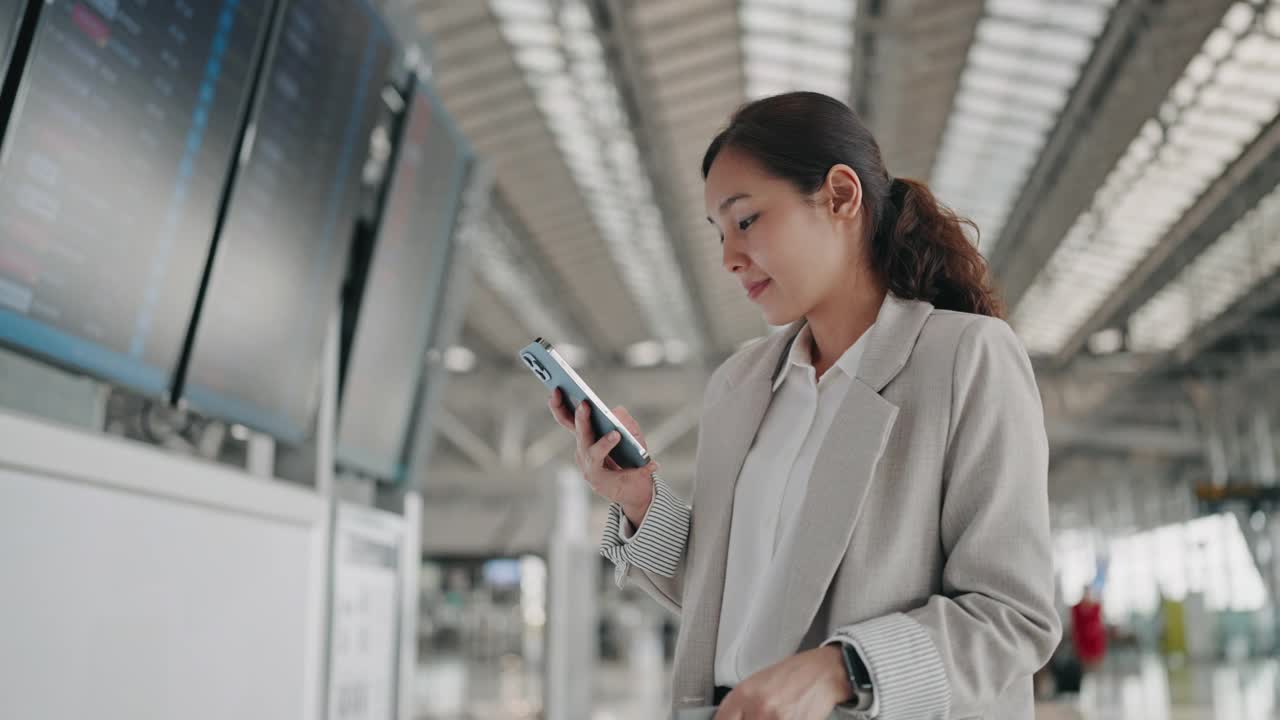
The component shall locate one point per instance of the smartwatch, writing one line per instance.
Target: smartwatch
(859, 678)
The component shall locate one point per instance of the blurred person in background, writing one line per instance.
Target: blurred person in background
(1172, 621)
(1088, 632)
(869, 526)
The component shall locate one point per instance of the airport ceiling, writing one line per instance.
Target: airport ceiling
(1120, 157)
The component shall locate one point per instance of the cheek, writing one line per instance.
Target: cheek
(808, 253)
(780, 247)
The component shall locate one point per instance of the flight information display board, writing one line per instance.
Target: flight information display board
(281, 255)
(111, 174)
(10, 20)
(402, 290)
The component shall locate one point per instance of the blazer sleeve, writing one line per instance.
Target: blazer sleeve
(995, 620)
(654, 558)
(656, 550)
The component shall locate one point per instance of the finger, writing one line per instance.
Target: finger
(630, 424)
(728, 709)
(558, 410)
(582, 424)
(600, 450)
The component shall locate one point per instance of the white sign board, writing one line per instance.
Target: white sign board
(364, 636)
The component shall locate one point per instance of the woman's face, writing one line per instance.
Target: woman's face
(788, 251)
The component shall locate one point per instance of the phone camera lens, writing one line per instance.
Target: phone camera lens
(536, 367)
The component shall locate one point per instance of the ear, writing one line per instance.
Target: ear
(843, 191)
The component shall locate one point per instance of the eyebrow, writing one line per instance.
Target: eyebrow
(729, 201)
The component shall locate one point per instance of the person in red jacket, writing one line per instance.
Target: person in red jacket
(1088, 633)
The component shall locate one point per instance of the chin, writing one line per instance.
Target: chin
(780, 316)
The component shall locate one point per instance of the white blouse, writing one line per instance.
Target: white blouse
(770, 489)
(771, 486)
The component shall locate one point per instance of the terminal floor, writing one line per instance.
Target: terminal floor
(1137, 688)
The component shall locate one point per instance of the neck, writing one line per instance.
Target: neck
(838, 321)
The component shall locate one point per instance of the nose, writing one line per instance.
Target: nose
(733, 259)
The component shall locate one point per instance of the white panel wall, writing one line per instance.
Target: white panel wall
(139, 586)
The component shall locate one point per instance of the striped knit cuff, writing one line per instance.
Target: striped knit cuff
(907, 675)
(657, 545)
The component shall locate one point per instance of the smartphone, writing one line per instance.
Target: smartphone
(547, 365)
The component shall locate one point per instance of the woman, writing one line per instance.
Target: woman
(869, 524)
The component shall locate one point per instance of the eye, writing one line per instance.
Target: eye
(746, 222)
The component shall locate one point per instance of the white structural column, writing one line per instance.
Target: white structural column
(572, 577)
(260, 459)
(321, 579)
(410, 568)
(1264, 450)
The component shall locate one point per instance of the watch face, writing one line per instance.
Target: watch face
(859, 678)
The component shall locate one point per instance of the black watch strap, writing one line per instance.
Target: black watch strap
(859, 677)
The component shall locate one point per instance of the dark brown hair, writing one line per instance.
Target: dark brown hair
(918, 245)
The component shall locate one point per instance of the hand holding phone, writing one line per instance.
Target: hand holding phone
(631, 488)
(610, 447)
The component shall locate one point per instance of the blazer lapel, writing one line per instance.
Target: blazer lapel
(843, 473)
(727, 430)
(842, 476)
(809, 555)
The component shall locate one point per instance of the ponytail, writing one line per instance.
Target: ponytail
(918, 245)
(921, 251)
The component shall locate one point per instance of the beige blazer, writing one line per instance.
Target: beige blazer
(924, 533)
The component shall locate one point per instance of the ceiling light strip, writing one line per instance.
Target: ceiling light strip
(797, 45)
(1225, 97)
(556, 46)
(1026, 57)
(1238, 262)
(493, 245)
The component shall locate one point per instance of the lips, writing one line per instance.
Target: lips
(754, 289)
